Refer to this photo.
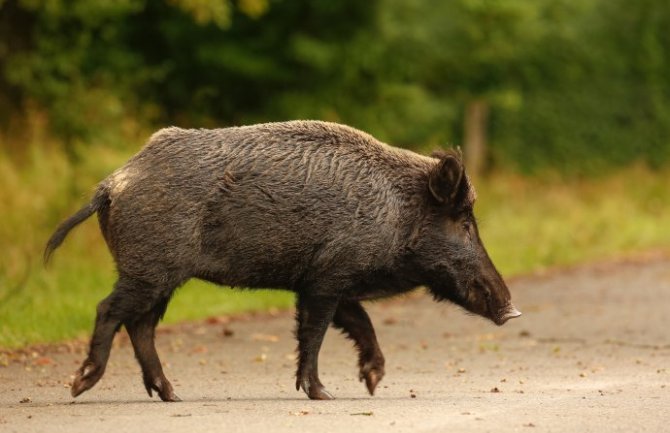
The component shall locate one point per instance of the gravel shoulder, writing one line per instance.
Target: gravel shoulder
(590, 353)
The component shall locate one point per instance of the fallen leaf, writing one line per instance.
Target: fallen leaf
(485, 337)
(216, 320)
(265, 337)
(200, 349)
(299, 413)
(45, 360)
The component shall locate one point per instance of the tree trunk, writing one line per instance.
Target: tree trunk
(475, 124)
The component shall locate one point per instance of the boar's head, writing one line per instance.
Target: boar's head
(451, 254)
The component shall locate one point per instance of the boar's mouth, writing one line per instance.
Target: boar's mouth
(498, 315)
(508, 312)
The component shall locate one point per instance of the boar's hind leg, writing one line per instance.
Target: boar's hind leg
(314, 314)
(130, 299)
(142, 334)
(93, 367)
(352, 319)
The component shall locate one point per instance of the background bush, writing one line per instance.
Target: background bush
(577, 87)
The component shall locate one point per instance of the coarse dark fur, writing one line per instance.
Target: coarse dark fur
(318, 208)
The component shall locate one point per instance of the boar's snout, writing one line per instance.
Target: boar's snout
(500, 307)
(509, 312)
(493, 302)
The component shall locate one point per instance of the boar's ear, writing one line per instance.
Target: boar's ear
(445, 178)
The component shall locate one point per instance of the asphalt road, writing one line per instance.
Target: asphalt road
(590, 353)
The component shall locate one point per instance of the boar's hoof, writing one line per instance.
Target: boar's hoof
(163, 387)
(171, 397)
(319, 393)
(372, 374)
(316, 392)
(87, 376)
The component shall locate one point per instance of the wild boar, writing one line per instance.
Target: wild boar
(317, 208)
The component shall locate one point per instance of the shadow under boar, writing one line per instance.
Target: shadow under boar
(321, 209)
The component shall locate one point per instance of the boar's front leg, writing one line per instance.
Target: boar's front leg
(314, 314)
(142, 333)
(352, 319)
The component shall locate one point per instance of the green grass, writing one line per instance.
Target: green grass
(526, 223)
(529, 223)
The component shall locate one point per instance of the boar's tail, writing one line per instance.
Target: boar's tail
(100, 200)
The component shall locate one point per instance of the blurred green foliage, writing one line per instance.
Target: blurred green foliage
(576, 87)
